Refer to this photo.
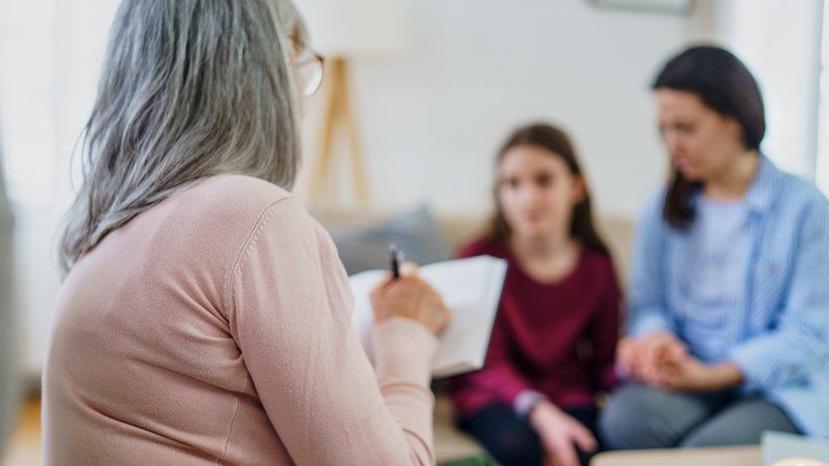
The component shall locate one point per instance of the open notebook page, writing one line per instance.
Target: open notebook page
(471, 288)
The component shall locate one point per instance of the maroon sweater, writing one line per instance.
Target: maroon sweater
(558, 339)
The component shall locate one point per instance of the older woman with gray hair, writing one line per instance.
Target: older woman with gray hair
(205, 317)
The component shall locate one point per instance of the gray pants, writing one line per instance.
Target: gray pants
(638, 416)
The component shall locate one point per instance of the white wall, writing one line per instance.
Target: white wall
(781, 43)
(433, 118)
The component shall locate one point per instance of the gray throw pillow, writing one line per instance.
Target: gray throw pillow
(416, 233)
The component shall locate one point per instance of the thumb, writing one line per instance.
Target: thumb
(408, 268)
(565, 454)
(584, 438)
(679, 352)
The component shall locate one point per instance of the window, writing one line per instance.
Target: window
(822, 173)
(50, 57)
(781, 44)
(27, 93)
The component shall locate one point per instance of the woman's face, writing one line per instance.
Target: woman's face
(702, 143)
(537, 192)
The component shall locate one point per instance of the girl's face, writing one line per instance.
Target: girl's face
(702, 143)
(537, 192)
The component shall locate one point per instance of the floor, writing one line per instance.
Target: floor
(24, 448)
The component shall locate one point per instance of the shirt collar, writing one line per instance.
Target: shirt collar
(763, 190)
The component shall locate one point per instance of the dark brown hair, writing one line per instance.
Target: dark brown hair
(726, 86)
(558, 144)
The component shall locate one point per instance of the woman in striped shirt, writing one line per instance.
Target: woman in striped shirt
(729, 302)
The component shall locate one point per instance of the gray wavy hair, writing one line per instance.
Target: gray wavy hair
(189, 89)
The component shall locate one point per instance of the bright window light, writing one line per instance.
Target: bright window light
(822, 177)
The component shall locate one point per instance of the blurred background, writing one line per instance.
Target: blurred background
(427, 90)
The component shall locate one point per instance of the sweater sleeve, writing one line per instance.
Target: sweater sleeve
(290, 311)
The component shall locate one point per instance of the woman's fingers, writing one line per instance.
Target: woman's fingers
(584, 438)
(410, 297)
(657, 349)
(631, 356)
(625, 354)
(563, 452)
(651, 350)
(408, 269)
(677, 352)
(638, 355)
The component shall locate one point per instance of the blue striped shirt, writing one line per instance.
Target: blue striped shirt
(776, 327)
(720, 242)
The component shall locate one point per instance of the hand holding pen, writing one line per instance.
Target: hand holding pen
(396, 257)
(405, 294)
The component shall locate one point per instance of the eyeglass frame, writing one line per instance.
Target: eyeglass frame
(312, 58)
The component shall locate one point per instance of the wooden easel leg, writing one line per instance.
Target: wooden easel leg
(358, 169)
(323, 161)
(338, 111)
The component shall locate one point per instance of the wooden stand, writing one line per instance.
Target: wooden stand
(338, 112)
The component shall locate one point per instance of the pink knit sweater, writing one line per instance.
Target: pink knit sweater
(215, 328)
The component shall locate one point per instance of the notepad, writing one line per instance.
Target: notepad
(471, 289)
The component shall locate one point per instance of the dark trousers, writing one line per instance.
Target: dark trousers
(511, 440)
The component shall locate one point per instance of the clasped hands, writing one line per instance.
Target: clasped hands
(661, 360)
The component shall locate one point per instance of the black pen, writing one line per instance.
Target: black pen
(395, 257)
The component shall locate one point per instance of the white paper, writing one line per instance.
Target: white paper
(471, 289)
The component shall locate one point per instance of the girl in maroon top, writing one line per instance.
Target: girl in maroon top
(553, 345)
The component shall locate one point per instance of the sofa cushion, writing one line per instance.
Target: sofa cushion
(415, 232)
